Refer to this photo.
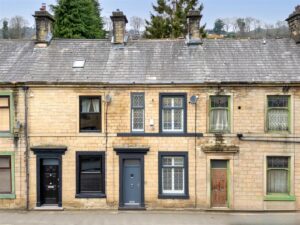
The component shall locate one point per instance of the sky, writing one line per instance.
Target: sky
(269, 11)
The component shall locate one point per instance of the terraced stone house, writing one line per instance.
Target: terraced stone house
(150, 124)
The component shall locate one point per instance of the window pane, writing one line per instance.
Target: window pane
(278, 162)
(138, 119)
(219, 120)
(167, 119)
(167, 179)
(138, 100)
(4, 102)
(90, 105)
(278, 101)
(277, 181)
(4, 162)
(90, 182)
(178, 179)
(178, 161)
(5, 178)
(4, 119)
(278, 119)
(167, 102)
(178, 119)
(167, 161)
(90, 122)
(90, 174)
(219, 101)
(178, 102)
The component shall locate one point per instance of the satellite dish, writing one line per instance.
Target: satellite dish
(193, 99)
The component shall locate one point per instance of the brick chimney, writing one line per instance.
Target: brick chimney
(44, 26)
(294, 24)
(119, 27)
(193, 20)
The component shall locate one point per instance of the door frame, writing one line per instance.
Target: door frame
(127, 153)
(230, 172)
(41, 154)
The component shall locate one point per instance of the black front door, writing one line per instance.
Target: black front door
(49, 181)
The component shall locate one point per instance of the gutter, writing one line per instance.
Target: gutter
(241, 137)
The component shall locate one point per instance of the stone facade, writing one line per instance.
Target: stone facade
(53, 120)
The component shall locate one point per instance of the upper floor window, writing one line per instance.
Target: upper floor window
(137, 112)
(219, 114)
(4, 114)
(173, 113)
(90, 114)
(278, 113)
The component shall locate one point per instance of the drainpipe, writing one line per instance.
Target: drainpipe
(25, 89)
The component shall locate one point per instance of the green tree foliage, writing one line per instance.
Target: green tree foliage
(78, 19)
(219, 27)
(5, 31)
(169, 19)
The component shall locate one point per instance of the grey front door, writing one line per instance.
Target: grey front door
(132, 182)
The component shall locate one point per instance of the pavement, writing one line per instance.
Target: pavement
(145, 218)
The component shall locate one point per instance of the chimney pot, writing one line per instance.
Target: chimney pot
(193, 20)
(44, 7)
(294, 24)
(119, 26)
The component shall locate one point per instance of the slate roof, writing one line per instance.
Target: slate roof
(152, 62)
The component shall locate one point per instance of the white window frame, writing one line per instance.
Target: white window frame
(172, 115)
(173, 166)
(132, 114)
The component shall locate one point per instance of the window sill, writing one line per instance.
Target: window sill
(159, 134)
(6, 135)
(170, 196)
(7, 196)
(279, 197)
(90, 195)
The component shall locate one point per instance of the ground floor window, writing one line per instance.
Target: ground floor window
(90, 174)
(5, 175)
(173, 177)
(278, 175)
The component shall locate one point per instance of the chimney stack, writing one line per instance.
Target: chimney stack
(119, 27)
(44, 26)
(294, 24)
(193, 20)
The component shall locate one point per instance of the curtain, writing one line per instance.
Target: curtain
(85, 105)
(96, 106)
(4, 119)
(278, 119)
(219, 119)
(277, 181)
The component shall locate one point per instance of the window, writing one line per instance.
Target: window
(219, 114)
(173, 113)
(173, 176)
(90, 174)
(278, 175)
(278, 113)
(137, 112)
(5, 175)
(90, 114)
(4, 114)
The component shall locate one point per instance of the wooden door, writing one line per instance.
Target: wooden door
(219, 183)
(50, 182)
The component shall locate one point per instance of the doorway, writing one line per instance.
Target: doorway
(219, 183)
(49, 181)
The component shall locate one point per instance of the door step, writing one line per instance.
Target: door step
(48, 208)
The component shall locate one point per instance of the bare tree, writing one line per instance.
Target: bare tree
(17, 27)
(137, 24)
